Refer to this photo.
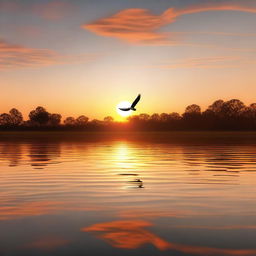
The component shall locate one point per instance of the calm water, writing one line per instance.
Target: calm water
(85, 199)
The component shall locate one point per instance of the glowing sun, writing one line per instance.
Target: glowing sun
(123, 104)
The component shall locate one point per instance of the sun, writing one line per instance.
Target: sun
(123, 104)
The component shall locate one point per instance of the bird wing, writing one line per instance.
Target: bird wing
(125, 109)
(136, 101)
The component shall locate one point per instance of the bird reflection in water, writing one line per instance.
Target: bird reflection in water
(138, 183)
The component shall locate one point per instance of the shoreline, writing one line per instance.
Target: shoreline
(157, 136)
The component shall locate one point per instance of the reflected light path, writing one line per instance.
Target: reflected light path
(196, 200)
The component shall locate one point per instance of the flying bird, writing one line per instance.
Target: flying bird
(132, 107)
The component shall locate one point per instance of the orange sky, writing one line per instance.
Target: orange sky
(84, 57)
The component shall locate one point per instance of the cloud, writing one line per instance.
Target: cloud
(16, 56)
(51, 10)
(217, 33)
(140, 26)
(212, 7)
(132, 234)
(206, 63)
(203, 62)
(135, 26)
(132, 25)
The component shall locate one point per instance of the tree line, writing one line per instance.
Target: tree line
(220, 115)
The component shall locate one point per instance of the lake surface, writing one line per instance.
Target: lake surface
(125, 197)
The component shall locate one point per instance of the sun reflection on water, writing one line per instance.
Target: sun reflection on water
(98, 183)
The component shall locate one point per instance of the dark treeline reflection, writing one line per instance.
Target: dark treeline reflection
(213, 157)
(38, 154)
(221, 115)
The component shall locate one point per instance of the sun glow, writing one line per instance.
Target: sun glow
(123, 104)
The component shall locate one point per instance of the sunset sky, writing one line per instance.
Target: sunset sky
(84, 57)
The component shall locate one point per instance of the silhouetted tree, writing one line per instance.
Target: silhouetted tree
(247, 118)
(229, 115)
(155, 117)
(5, 120)
(39, 116)
(70, 121)
(133, 119)
(174, 116)
(82, 120)
(253, 110)
(216, 106)
(54, 119)
(164, 117)
(16, 117)
(108, 119)
(232, 108)
(144, 117)
(192, 116)
(174, 121)
(96, 124)
(193, 109)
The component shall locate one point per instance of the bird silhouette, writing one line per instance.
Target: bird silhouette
(132, 107)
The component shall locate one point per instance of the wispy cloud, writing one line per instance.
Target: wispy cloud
(137, 26)
(140, 26)
(203, 62)
(217, 33)
(16, 56)
(51, 10)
